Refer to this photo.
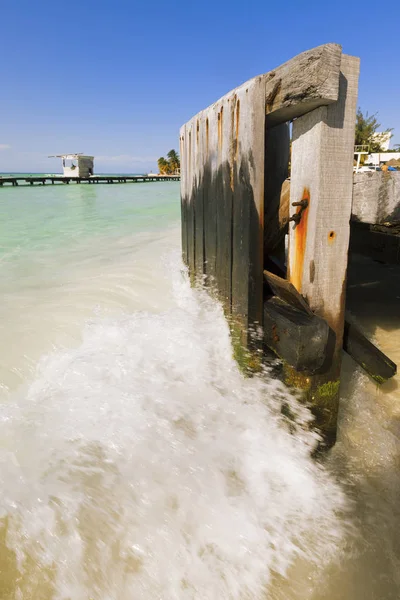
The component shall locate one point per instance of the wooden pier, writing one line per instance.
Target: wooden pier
(52, 179)
(238, 206)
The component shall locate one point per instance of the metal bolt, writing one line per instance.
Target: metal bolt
(296, 218)
(302, 203)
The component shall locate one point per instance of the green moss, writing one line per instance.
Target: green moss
(294, 379)
(248, 360)
(378, 379)
(312, 392)
(322, 399)
(327, 390)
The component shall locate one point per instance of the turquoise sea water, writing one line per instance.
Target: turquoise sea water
(63, 253)
(38, 218)
(136, 462)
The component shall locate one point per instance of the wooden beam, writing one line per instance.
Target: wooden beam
(287, 292)
(369, 357)
(299, 338)
(302, 84)
(321, 178)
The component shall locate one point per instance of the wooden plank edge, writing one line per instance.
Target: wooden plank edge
(374, 362)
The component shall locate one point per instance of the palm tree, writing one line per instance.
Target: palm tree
(173, 159)
(163, 165)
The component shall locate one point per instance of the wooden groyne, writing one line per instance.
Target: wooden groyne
(238, 205)
(52, 179)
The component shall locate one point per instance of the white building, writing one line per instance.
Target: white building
(383, 138)
(76, 165)
(376, 158)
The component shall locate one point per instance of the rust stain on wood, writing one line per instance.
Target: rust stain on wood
(296, 275)
(234, 145)
(220, 120)
(190, 154)
(237, 128)
(331, 237)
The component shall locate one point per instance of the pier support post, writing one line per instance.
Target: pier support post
(234, 192)
(224, 184)
(321, 179)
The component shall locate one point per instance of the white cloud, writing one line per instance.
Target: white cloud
(125, 159)
(4, 146)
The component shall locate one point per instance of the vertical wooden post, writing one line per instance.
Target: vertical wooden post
(222, 190)
(247, 180)
(182, 148)
(209, 122)
(198, 190)
(321, 176)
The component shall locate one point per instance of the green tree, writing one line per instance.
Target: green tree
(173, 160)
(170, 166)
(366, 127)
(163, 166)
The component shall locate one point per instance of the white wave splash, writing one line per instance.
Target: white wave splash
(143, 465)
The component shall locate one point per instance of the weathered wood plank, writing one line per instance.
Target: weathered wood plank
(287, 292)
(223, 193)
(322, 160)
(190, 206)
(297, 337)
(186, 181)
(184, 198)
(369, 357)
(198, 203)
(248, 209)
(302, 84)
(376, 197)
(210, 198)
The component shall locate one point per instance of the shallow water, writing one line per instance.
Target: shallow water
(135, 460)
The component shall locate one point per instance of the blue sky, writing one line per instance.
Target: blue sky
(118, 79)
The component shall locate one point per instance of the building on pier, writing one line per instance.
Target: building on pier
(76, 165)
